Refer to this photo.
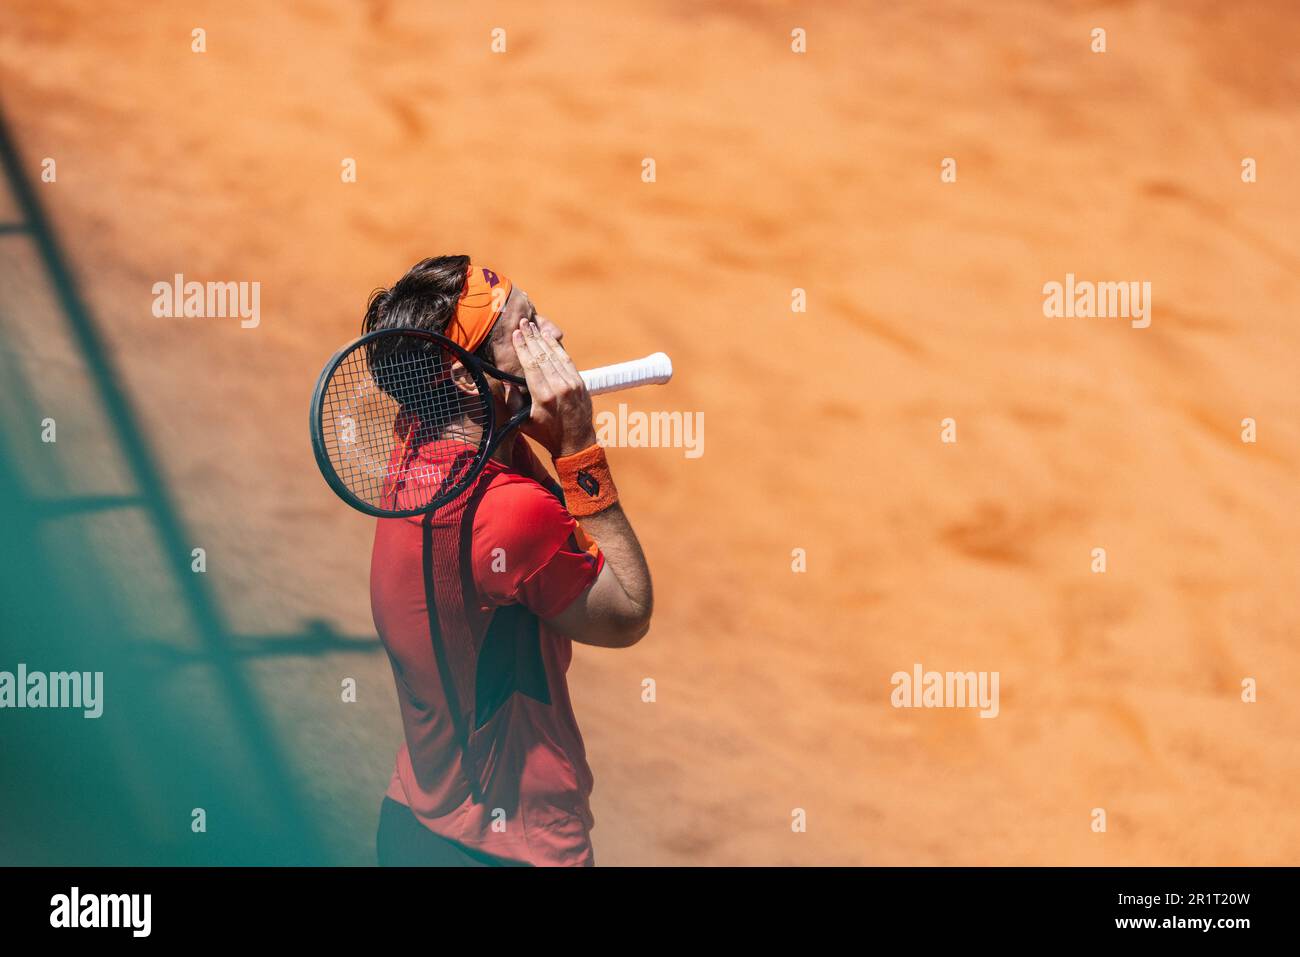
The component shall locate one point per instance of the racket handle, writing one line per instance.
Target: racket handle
(652, 370)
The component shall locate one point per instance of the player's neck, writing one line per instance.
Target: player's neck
(505, 451)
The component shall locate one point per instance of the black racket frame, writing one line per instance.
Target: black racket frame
(492, 435)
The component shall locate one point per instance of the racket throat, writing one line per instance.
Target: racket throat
(499, 436)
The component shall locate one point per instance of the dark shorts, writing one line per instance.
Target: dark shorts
(403, 841)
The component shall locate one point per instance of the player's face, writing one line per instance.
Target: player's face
(518, 310)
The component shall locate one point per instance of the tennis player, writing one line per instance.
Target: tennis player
(477, 603)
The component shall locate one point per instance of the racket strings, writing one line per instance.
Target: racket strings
(402, 423)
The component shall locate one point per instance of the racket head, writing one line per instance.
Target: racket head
(401, 422)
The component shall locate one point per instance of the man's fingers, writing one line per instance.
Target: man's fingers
(563, 363)
(546, 360)
(538, 386)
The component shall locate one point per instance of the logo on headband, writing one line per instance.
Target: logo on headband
(490, 277)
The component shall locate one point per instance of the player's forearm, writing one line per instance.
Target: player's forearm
(625, 560)
(592, 497)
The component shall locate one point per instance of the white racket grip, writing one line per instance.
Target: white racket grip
(652, 370)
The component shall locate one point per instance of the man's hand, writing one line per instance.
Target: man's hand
(561, 414)
(615, 610)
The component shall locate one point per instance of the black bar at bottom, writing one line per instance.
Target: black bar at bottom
(242, 905)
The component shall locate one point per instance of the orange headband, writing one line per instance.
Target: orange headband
(479, 308)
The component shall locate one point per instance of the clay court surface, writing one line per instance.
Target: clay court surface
(822, 429)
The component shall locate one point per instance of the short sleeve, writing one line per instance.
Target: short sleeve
(525, 549)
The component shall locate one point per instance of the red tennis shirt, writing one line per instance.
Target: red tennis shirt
(492, 756)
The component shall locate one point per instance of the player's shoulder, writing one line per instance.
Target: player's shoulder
(521, 516)
(522, 499)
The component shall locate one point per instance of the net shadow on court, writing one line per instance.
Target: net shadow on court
(95, 576)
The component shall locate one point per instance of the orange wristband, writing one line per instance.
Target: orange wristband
(585, 479)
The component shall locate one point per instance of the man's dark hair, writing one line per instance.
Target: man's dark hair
(425, 298)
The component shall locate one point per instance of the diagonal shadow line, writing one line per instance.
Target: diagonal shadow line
(317, 638)
(249, 715)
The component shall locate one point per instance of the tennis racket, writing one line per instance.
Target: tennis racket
(402, 420)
